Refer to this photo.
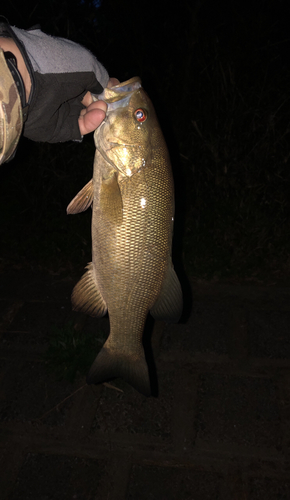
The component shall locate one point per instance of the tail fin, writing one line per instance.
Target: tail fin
(113, 363)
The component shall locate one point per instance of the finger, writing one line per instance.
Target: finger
(97, 105)
(112, 82)
(87, 99)
(91, 120)
(94, 105)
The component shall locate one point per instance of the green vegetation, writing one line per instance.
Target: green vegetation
(71, 352)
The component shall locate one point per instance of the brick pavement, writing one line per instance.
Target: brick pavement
(219, 428)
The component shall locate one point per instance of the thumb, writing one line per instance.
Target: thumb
(91, 117)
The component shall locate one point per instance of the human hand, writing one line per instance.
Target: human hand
(92, 116)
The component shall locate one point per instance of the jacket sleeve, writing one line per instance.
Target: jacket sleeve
(56, 106)
(63, 71)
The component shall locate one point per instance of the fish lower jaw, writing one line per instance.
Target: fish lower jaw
(115, 142)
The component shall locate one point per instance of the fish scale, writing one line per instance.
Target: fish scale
(132, 199)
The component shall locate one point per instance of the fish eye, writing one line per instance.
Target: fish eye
(140, 115)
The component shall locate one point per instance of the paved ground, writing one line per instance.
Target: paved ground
(219, 428)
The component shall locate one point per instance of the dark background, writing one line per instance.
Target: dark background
(218, 75)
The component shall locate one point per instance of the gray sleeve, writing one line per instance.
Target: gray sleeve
(63, 72)
(49, 54)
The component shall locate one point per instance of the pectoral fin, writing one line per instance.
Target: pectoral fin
(168, 306)
(111, 200)
(86, 296)
(82, 200)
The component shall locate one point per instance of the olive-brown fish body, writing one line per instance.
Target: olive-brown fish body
(132, 225)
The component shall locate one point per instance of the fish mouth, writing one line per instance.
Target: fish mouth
(121, 92)
(117, 97)
(106, 146)
(117, 144)
(114, 142)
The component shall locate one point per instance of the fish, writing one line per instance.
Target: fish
(132, 199)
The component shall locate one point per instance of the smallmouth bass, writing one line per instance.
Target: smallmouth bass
(132, 199)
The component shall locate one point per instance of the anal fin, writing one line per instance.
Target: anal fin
(86, 296)
(82, 200)
(168, 306)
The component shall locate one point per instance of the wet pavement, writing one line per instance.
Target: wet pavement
(219, 428)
